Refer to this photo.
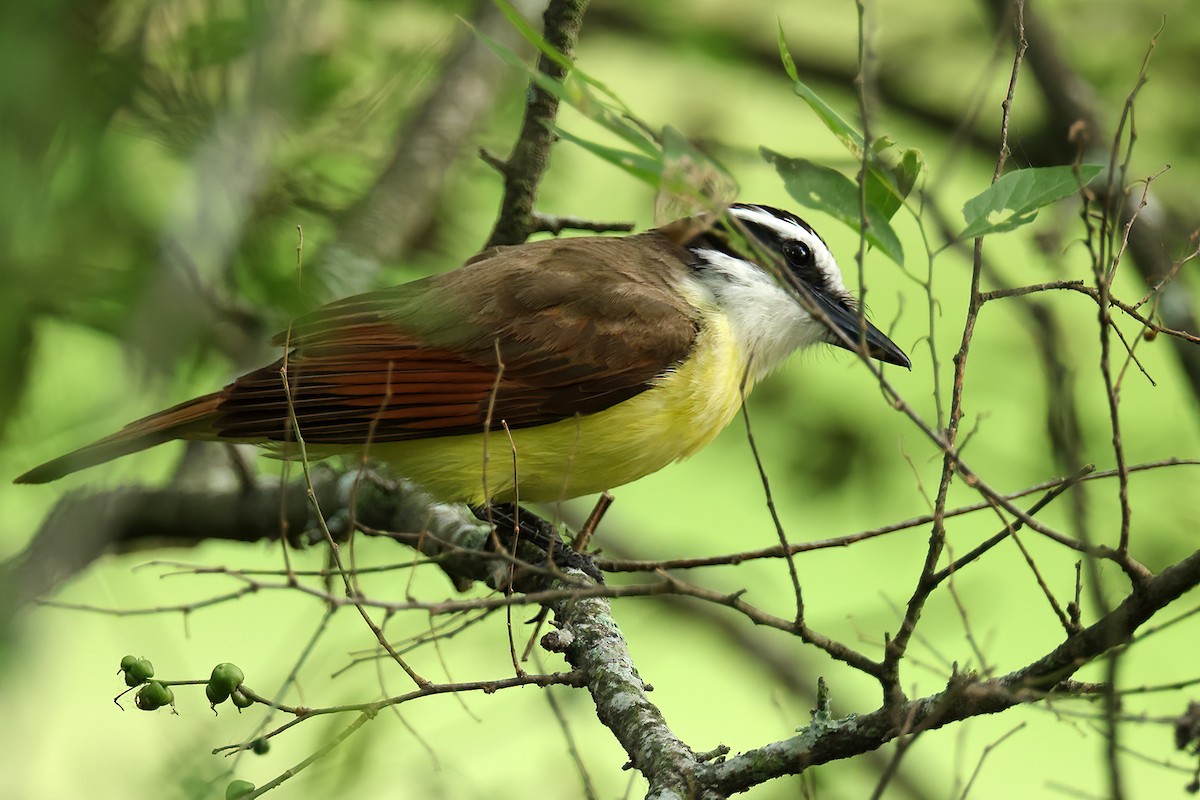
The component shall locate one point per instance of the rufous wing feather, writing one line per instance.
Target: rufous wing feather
(518, 337)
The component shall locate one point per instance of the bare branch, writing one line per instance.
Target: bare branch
(530, 157)
(964, 697)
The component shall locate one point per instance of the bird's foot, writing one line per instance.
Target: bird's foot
(514, 525)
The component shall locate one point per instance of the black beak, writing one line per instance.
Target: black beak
(847, 320)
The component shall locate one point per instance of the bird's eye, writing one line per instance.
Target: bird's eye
(797, 254)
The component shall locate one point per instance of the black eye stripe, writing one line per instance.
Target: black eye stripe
(802, 264)
(808, 272)
(798, 256)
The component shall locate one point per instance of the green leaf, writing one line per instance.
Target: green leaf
(576, 92)
(889, 184)
(908, 170)
(680, 170)
(533, 37)
(882, 144)
(579, 96)
(1015, 199)
(692, 182)
(640, 166)
(844, 131)
(889, 180)
(831, 192)
(676, 168)
(785, 55)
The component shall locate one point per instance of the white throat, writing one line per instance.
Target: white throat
(768, 325)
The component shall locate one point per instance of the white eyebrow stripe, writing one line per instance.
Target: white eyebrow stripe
(784, 228)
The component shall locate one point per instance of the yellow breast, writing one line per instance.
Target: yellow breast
(682, 412)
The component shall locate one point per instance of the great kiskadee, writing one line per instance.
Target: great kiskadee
(536, 372)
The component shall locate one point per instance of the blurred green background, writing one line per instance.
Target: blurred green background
(155, 160)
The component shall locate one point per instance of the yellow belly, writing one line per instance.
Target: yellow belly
(684, 411)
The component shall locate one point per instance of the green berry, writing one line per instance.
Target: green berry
(226, 677)
(240, 699)
(237, 789)
(137, 670)
(153, 696)
(215, 695)
(141, 669)
(261, 746)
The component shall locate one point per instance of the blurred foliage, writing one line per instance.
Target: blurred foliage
(158, 151)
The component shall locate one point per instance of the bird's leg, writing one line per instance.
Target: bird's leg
(514, 524)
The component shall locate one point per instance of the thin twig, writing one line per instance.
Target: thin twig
(334, 547)
(766, 484)
(952, 464)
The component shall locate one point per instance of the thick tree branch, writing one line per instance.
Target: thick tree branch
(530, 157)
(82, 527)
(595, 646)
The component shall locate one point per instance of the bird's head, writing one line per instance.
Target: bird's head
(780, 286)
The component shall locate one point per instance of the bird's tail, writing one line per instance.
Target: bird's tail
(190, 420)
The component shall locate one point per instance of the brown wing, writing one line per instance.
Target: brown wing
(538, 333)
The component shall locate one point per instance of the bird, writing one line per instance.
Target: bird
(536, 372)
